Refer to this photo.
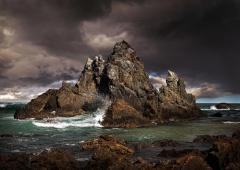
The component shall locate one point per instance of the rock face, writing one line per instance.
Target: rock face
(121, 114)
(122, 80)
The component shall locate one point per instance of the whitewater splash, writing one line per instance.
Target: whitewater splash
(3, 105)
(87, 120)
(215, 108)
(230, 122)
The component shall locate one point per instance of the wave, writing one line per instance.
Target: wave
(213, 108)
(88, 120)
(220, 109)
(2, 105)
(12, 104)
(230, 122)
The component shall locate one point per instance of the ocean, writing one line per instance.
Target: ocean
(36, 135)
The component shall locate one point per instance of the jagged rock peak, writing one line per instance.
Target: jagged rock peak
(172, 80)
(172, 74)
(121, 46)
(88, 65)
(93, 63)
(123, 50)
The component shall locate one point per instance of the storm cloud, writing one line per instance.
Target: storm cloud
(42, 42)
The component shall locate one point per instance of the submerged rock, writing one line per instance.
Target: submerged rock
(207, 139)
(123, 80)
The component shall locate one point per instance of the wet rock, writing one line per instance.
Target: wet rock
(15, 161)
(187, 162)
(225, 154)
(224, 106)
(107, 143)
(190, 162)
(208, 139)
(166, 143)
(35, 108)
(121, 114)
(236, 134)
(109, 152)
(138, 146)
(174, 153)
(52, 159)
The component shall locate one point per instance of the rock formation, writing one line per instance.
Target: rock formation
(122, 80)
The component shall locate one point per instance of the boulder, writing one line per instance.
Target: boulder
(109, 153)
(225, 153)
(224, 106)
(36, 107)
(121, 114)
(121, 79)
(49, 159)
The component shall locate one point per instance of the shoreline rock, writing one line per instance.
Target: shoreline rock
(111, 153)
(122, 80)
(224, 106)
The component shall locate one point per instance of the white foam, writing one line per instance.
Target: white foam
(215, 108)
(87, 120)
(230, 122)
(2, 105)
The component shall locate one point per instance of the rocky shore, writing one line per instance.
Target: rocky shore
(210, 153)
(122, 81)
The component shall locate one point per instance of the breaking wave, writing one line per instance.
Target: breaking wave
(213, 108)
(2, 105)
(230, 122)
(87, 120)
(90, 120)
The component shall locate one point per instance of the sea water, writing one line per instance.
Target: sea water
(36, 135)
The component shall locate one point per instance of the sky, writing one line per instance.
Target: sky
(43, 42)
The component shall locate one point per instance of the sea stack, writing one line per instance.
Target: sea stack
(122, 80)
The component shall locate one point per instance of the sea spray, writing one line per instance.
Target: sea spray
(3, 105)
(213, 107)
(93, 119)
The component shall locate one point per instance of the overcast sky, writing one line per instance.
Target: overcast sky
(43, 42)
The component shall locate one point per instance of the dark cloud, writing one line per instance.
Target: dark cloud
(198, 39)
(56, 24)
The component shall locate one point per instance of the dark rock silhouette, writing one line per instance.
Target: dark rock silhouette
(224, 106)
(122, 80)
(51, 159)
